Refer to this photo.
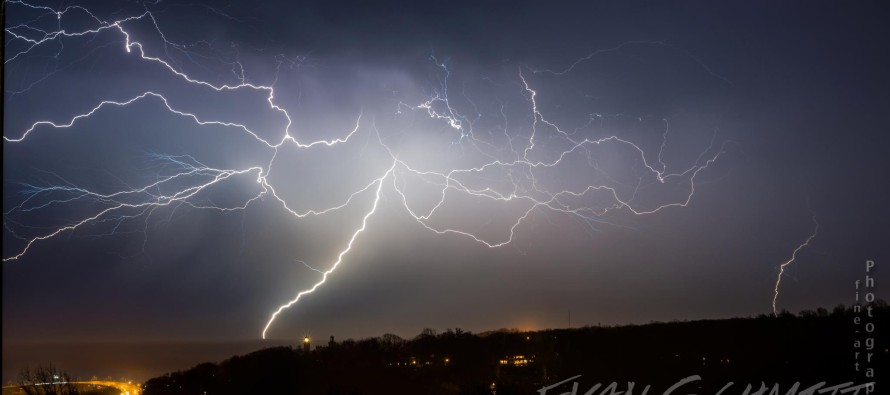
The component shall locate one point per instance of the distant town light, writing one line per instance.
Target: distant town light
(517, 360)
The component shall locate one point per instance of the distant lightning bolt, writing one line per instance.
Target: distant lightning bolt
(791, 260)
(188, 178)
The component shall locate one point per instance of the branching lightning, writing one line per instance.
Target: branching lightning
(518, 161)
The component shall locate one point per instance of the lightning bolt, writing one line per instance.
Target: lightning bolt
(791, 260)
(343, 253)
(513, 174)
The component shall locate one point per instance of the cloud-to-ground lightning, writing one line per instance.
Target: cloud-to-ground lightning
(513, 172)
(790, 260)
(345, 251)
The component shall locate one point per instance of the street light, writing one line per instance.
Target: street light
(306, 344)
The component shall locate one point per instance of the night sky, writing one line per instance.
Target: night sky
(578, 164)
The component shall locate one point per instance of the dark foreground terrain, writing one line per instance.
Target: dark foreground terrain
(810, 348)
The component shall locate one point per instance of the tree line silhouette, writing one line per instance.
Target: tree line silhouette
(50, 380)
(810, 347)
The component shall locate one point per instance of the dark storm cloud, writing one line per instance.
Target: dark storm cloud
(800, 90)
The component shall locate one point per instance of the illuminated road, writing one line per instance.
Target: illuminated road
(124, 388)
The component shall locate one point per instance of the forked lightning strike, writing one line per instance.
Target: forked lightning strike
(521, 171)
